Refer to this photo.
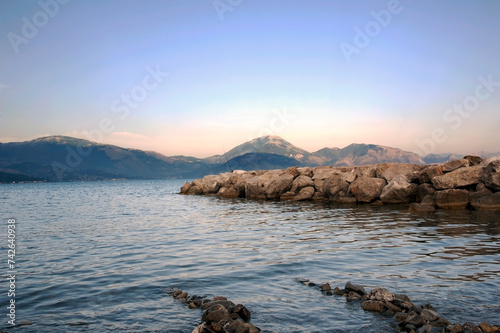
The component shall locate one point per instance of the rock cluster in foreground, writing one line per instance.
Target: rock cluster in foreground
(467, 183)
(219, 314)
(409, 317)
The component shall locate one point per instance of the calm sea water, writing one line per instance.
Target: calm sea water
(101, 256)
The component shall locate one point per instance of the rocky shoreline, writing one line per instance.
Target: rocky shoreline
(468, 183)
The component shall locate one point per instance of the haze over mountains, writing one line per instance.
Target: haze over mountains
(62, 158)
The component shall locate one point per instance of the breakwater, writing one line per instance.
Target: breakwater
(468, 183)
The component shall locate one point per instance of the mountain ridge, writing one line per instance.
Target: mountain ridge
(65, 158)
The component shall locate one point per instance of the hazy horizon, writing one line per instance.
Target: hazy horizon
(200, 77)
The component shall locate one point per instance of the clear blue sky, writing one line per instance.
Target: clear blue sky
(195, 76)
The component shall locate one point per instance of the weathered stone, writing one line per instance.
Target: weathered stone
(287, 196)
(429, 172)
(456, 164)
(401, 169)
(319, 185)
(322, 172)
(307, 171)
(429, 315)
(195, 190)
(366, 189)
(399, 190)
(225, 303)
(380, 294)
(185, 188)
(488, 202)
(491, 175)
(211, 184)
(458, 178)
(355, 287)
(219, 298)
(421, 208)
(375, 306)
(428, 328)
(294, 171)
(177, 293)
(352, 296)
(255, 188)
(429, 199)
(367, 171)
(473, 160)
(335, 186)
(471, 328)
(181, 295)
(228, 192)
(392, 308)
(325, 287)
(457, 328)
(478, 194)
(279, 185)
(414, 318)
(243, 312)
(487, 328)
(300, 182)
(452, 199)
(344, 200)
(305, 194)
(216, 313)
(319, 197)
(424, 190)
(400, 317)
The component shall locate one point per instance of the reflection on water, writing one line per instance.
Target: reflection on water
(100, 256)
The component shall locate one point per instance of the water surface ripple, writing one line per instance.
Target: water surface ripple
(101, 256)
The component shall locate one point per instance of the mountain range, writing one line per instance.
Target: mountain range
(63, 158)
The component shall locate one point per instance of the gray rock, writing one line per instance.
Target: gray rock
(401, 169)
(421, 208)
(380, 294)
(429, 172)
(491, 175)
(459, 178)
(366, 189)
(452, 199)
(300, 182)
(473, 160)
(487, 202)
(399, 190)
(355, 287)
(305, 194)
(424, 190)
(414, 318)
(335, 186)
(456, 164)
(374, 306)
(429, 315)
(279, 185)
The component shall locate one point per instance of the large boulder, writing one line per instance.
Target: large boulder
(424, 190)
(211, 184)
(473, 160)
(300, 182)
(429, 172)
(452, 199)
(323, 172)
(335, 186)
(399, 190)
(279, 185)
(491, 175)
(305, 194)
(401, 169)
(228, 192)
(458, 178)
(455, 164)
(185, 188)
(487, 202)
(367, 189)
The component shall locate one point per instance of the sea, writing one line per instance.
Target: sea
(105, 256)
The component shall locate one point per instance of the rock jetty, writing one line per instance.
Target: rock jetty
(409, 317)
(468, 183)
(219, 314)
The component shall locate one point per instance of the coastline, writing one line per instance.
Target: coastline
(468, 183)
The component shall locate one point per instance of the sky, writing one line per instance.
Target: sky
(198, 77)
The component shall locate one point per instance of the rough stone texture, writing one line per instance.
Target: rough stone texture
(300, 182)
(279, 185)
(453, 165)
(429, 172)
(228, 192)
(473, 160)
(488, 202)
(375, 306)
(380, 294)
(399, 190)
(356, 288)
(323, 172)
(335, 186)
(395, 170)
(491, 175)
(421, 208)
(452, 199)
(185, 188)
(424, 190)
(211, 184)
(293, 171)
(304, 194)
(459, 178)
(366, 189)
(479, 193)
(287, 196)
